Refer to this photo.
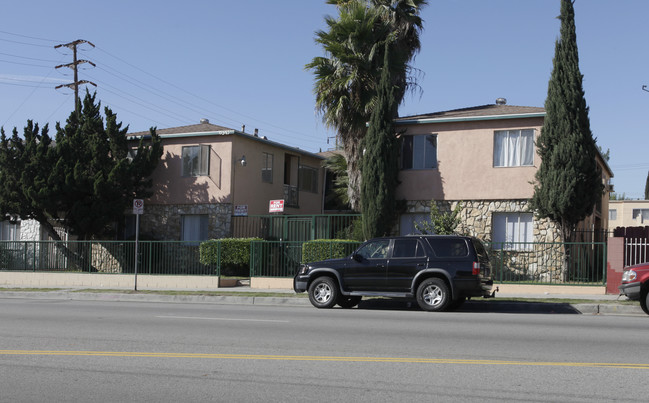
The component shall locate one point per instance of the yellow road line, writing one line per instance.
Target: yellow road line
(323, 358)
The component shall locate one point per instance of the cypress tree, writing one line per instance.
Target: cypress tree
(380, 165)
(85, 179)
(568, 182)
(646, 188)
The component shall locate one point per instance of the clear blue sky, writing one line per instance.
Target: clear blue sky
(166, 64)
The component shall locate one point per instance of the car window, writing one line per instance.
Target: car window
(450, 247)
(407, 248)
(375, 249)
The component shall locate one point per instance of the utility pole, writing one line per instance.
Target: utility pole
(75, 62)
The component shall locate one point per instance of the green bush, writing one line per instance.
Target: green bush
(235, 255)
(321, 249)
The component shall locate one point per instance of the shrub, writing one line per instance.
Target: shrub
(321, 249)
(235, 255)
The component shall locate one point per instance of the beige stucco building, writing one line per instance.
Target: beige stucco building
(485, 157)
(628, 213)
(208, 174)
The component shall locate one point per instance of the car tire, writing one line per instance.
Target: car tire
(323, 292)
(644, 299)
(433, 295)
(348, 302)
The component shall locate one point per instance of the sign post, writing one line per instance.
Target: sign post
(138, 209)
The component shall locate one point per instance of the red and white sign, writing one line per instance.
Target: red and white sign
(138, 206)
(276, 206)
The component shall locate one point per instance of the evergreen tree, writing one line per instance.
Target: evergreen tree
(380, 164)
(568, 182)
(347, 77)
(646, 188)
(85, 180)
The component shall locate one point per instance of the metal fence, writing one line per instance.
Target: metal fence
(282, 259)
(155, 257)
(533, 263)
(549, 263)
(636, 251)
(294, 227)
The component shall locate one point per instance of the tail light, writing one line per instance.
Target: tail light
(476, 268)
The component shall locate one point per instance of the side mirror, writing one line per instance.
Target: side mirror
(357, 257)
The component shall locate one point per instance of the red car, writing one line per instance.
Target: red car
(635, 284)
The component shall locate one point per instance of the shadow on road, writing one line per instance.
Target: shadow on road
(520, 307)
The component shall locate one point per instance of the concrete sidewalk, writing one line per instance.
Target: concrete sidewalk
(583, 303)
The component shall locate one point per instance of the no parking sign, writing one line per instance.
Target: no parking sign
(138, 206)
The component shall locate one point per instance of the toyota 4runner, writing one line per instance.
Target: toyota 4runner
(439, 271)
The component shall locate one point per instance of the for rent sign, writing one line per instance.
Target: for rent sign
(276, 206)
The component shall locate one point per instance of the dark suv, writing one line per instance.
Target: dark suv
(441, 272)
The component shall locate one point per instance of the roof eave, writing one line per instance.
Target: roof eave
(469, 118)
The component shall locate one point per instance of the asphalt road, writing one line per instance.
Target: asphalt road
(60, 350)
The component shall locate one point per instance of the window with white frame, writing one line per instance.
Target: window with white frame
(512, 231)
(419, 152)
(640, 214)
(9, 231)
(194, 227)
(196, 160)
(308, 179)
(267, 167)
(612, 214)
(514, 148)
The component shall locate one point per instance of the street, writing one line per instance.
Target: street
(122, 351)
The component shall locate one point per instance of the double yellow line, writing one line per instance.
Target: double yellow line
(323, 358)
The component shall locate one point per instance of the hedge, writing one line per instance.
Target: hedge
(321, 249)
(235, 254)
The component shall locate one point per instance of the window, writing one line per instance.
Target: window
(9, 231)
(612, 214)
(641, 214)
(375, 250)
(407, 223)
(514, 148)
(308, 179)
(449, 247)
(194, 227)
(419, 152)
(196, 160)
(267, 168)
(512, 231)
(407, 248)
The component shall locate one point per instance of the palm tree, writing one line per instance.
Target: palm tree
(346, 80)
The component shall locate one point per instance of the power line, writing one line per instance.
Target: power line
(29, 37)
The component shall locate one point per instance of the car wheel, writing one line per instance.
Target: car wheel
(348, 302)
(456, 303)
(323, 292)
(644, 300)
(433, 295)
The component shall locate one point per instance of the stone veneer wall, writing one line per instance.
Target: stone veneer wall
(541, 262)
(477, 217)
(30, 230)
(163, 222)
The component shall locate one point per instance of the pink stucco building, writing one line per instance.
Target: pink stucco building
(208, 174)
(485, 157)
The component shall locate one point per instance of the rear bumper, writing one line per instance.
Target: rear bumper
(631, 290)
(474, 287)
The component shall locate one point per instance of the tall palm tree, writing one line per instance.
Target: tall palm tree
(346, 79)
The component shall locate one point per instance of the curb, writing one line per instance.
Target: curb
(581, 308)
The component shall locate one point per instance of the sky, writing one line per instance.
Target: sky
(169, 63)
